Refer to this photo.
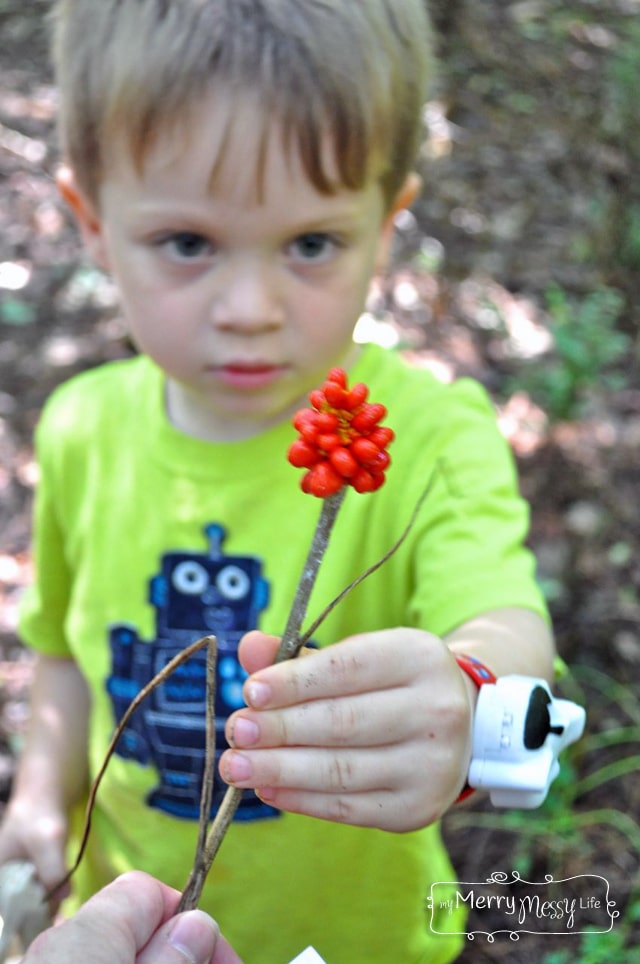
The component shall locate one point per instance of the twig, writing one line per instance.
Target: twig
(364, 575)
(289, 648)
(291, 643)
(135, 703)
(193, 890)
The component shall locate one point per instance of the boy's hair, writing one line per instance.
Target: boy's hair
(128, 70)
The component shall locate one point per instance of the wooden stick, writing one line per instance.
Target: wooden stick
(363, 575)
(159, 678)
(193, 890)
(289, 648)
(290, 644)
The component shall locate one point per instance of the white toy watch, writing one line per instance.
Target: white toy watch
(519, 730)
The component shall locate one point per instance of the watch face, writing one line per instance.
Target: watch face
(537, 724)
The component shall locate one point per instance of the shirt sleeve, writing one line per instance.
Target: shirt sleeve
(470, 551)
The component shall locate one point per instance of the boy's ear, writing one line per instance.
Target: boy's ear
(85, 214)
(403, 199)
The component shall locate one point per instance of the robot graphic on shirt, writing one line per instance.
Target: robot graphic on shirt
(193, 594)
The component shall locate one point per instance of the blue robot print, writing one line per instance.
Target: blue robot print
(194, 594)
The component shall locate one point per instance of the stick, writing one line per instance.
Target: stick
(289, 648)
(197, 877)
(159, 678)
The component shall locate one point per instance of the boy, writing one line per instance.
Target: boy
(237, 165)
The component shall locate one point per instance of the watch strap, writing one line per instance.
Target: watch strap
(481, 675)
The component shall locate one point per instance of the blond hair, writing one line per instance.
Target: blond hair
(356, 69)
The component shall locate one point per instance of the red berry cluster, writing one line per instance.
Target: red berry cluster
(341, 441)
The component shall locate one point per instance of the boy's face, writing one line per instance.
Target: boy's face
(244, 298)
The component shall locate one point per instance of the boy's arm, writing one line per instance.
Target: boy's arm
(509, 640)
(52, 770)
(375, 731)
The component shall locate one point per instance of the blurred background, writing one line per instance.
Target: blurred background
(519, 266)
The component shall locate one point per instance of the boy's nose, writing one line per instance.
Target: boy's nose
(248, 298)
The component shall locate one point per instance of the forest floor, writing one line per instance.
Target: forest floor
(518, 267)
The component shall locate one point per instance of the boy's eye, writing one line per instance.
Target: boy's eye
(313, 247)
(186, 245)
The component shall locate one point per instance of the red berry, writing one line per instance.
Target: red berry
(364, 420)
(316, 397)
(329, 441)
(380, 463)
(377, 411)
(323, 480)
(339, 376)
(327, 422)
(382, 436)
(302, 455)
(365, 451)
(304, 418)
(356, 397)
(340, 438)
(343, 462)
(363, 481)
(335, 394)
(309, 433)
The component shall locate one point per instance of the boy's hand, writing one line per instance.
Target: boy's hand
(52, 770)
(374, 731)
(34, 831)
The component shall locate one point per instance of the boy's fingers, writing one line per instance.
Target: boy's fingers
(50, 869)
(360, 664)
(351, 721)
(257, 650)
(43, 845)
(316, 769)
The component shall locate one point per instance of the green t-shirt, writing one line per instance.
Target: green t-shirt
(146, 539)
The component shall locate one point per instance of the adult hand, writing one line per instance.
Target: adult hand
(131, 922)
(374, 731)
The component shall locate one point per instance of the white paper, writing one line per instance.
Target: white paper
(308, 956)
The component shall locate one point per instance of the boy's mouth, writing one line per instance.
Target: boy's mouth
(248, 375)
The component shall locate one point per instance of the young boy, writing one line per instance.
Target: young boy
(236, 165)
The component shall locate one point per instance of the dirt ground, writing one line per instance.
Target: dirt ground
(529, 178)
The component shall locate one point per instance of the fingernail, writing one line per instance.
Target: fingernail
(245, 732)
(195, 936)
(257, 694)
(266, 793)
(237, 768)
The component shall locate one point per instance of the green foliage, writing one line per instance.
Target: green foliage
(621, 88)
(596, 947)
(14, 311)
(630, 242)
(587, 346)
(620, 125)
